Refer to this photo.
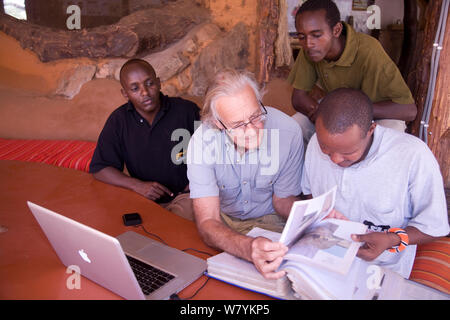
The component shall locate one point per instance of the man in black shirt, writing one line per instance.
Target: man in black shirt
(142, 135)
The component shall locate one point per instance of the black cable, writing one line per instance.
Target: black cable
(160, 239)
(153, 235)
(177, 297)
(199, 251)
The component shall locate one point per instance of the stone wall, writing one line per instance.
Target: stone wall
(184, 68)
(141, 32)
(184, 61)
(29, 108)
(187, 66)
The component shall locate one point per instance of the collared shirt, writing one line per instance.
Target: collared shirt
(363, 65)
(149, 152)
(398, 184)
(245, 184)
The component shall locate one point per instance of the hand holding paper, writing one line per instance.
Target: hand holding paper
(334, 214)
(267, 257)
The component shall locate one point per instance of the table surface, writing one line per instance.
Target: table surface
(29, 267)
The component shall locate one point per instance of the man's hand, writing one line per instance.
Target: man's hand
(148, 189)
(262, 252)
(151, 190)
(267, 257)
(336, 215)
(375, 243)
(317, 94)
(304, 103)
(391, 110)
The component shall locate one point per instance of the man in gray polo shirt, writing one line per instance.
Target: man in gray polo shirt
(386, 179)
(244, 170)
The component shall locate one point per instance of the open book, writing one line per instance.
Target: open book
(320, 255)
(321, 262)
(318, 242)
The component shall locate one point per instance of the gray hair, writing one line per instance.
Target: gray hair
(226, 83)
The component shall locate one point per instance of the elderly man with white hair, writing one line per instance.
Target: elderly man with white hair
(244, 170)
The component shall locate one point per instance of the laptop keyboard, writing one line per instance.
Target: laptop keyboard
(148, 277)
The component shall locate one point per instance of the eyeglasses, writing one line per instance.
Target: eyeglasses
(253, 120)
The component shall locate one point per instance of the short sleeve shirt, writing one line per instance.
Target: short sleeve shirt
(150, 152)
(363, 65)
(245, 184)
(397, 185)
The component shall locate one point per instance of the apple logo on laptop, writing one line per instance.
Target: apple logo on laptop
(84, 256)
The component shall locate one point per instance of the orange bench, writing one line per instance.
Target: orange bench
(432, 265)
(72, 154)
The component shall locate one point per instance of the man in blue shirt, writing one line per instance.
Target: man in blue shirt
(244, 170)
(386, 179)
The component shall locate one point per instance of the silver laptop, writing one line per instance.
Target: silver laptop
(131, 265)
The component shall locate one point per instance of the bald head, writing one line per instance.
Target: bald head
(134, 64)
(343, 108)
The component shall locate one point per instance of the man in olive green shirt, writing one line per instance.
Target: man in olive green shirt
(334, 55)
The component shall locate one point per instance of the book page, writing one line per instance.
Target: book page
(328, 244)
(242, 273)
(411, 290)
(258, 232)
(305, 213)
(316, 283)
(227, 261)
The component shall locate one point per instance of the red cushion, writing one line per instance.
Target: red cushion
(72, 154)
(432, 265)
